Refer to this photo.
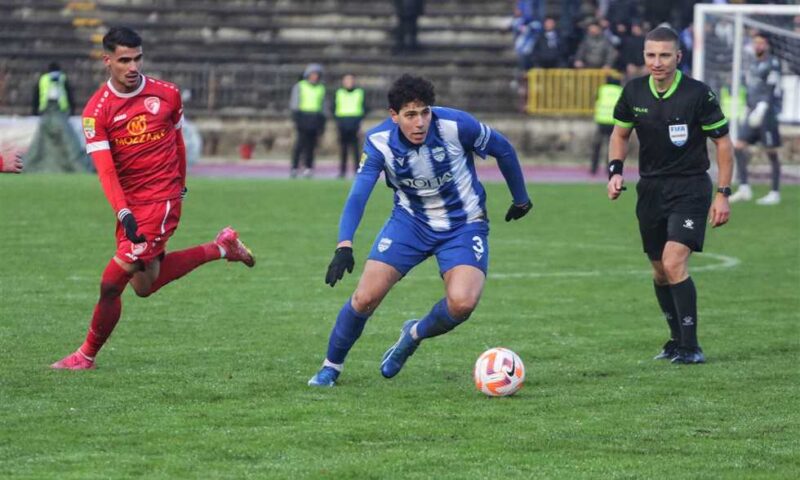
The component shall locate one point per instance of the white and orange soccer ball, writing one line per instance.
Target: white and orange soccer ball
(499, 372)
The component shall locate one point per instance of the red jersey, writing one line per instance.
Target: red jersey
(139, 128)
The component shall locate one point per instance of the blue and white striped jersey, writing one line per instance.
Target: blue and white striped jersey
(434, 183)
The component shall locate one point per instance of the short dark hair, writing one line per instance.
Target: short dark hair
(121, 36)
(663, 34)
(763, 35)
(407, 89)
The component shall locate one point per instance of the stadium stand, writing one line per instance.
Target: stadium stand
(241, 57)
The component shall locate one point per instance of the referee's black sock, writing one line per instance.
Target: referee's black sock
(667, 304)
(685, 296)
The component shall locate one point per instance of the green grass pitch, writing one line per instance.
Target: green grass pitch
(207, 378)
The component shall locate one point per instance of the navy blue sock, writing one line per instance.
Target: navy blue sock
(685, 296)
(348, 327)
(437, 322)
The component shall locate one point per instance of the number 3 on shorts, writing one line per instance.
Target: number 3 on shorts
(478, 247)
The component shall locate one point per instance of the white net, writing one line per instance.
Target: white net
(723, 52)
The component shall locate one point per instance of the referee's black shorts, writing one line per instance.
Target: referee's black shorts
(673, 209)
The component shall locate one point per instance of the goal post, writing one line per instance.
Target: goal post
(719, 56)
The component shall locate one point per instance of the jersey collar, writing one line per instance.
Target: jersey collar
(129, 94)
(672, 88)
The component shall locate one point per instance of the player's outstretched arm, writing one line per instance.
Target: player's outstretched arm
(720, 208)
(617, 151)
(500, 148)
(180, 146)
(351, 216)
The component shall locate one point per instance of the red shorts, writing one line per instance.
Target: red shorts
(157, 222)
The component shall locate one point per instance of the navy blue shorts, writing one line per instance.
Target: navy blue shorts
(404, 244)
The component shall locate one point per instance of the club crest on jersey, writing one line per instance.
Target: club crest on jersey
(152, 104)
(88, 127)
(384, 244)
(438, 153)
(678, 134)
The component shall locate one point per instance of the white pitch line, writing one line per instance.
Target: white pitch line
(725, 261)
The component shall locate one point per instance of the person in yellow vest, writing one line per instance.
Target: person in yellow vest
(56, 146)
(53, 90)
(349, 109)
(607, 97)
(307, 105)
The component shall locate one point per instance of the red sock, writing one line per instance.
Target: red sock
(177, 264)
(108, 309)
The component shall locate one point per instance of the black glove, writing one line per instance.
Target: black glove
(342, 260)
(129, 224)
(516, 212)
(184, 192)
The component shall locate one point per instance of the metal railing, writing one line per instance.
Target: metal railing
(565, 91)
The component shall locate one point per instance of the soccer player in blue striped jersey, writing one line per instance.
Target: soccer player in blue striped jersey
(426, 154)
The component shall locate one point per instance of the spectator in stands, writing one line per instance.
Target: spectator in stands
(549, 51)
(408, 11)
(595, 51)
(349, 109)
(617, 11)
(11, 166)
(607, 96)
(570, 14)
(307, 105)
(613, 35)
(687, 45)
(632, 52)
(526, 26)
(53, 91)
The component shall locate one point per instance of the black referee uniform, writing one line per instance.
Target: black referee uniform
(674, 193)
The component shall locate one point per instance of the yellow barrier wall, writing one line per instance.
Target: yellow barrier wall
(565, 91)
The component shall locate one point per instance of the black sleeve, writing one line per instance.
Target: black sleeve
(622, 111)
(712, 120)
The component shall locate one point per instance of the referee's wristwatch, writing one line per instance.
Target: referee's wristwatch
(725, 191)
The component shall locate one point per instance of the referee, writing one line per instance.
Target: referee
(672, 115)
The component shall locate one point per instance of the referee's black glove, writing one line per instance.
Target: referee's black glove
(129, 224)
(342, 260)
(515, 212)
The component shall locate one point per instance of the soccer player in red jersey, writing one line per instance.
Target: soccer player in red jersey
(132, 126)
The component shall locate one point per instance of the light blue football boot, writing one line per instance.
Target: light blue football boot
(326, 377)
(396, 356)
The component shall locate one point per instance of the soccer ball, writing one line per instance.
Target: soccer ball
(499, 372)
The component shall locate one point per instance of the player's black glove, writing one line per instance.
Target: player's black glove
(129, 224)
(184, 192)
(515, 212)
(342, 260)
